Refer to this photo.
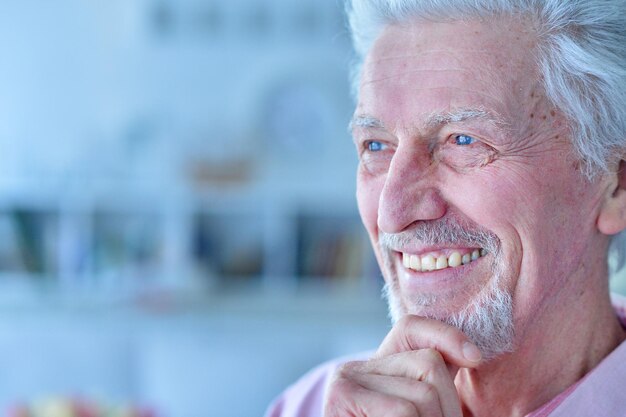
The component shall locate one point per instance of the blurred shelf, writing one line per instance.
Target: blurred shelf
(23, 295)
(189, 176)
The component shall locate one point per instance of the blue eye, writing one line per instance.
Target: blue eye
(375, 146)
(464, 140)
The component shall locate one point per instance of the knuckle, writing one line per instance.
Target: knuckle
(348, 368)
(431, 356)
(429, 362)
(343, 370)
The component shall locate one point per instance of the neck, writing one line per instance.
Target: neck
(572, 339)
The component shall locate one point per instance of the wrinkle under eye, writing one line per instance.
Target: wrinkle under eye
(464, 152)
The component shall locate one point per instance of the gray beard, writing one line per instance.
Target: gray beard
(488, 319)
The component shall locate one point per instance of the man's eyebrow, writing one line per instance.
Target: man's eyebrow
(435, 119)
(365, 122)
(463, 114)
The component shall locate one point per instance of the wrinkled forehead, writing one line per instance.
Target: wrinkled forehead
(489, 63)
(507, 41)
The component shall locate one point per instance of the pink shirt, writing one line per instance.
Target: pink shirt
(600, 393)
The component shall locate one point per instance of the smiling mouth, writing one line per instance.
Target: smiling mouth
(436, 261)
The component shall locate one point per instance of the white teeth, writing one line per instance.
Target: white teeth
(428, 263)
(432, 263)
(454, 260)
(442, 262)
(415, 262)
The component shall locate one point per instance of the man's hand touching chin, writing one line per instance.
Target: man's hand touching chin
(411, 374)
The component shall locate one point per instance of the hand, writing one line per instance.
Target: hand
(411, 374)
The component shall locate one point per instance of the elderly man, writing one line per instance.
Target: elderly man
(491, 136)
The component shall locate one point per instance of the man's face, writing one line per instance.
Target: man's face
(461, 156)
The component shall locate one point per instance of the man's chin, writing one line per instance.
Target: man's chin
(434, 306)
(487, 319)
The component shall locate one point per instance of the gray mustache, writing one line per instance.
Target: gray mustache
(443, 231)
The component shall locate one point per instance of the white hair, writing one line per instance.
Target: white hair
(581, 55)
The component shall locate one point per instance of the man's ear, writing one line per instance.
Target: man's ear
(612, 217)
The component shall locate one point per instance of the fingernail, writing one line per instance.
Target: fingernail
(471, 352)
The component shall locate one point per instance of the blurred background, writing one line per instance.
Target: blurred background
(178, 230)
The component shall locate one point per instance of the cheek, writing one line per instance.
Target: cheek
(368, 195)
(531, 215)
(368, 192)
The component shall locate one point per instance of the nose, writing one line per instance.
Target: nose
(410, 193)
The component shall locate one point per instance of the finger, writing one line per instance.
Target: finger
(346, 397)
(414, 333)
(425, 365)
(422, 395)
